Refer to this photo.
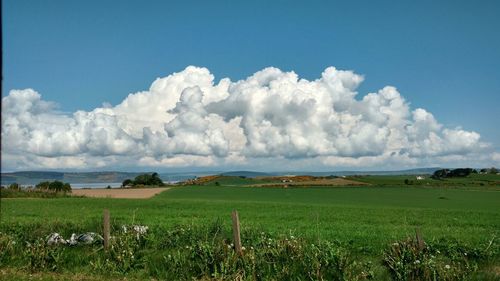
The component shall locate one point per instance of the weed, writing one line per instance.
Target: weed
(7, 248)
(451, 261)
(42, 257)
(124, 253)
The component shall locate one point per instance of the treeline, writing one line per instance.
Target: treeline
(491, 170)
(54, 186)
(461, 172)
(144, 180)
(45, 189)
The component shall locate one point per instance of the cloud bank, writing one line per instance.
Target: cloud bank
(187, 119)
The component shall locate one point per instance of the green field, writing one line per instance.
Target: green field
(365, 218)
(483, 181)
(369, 216)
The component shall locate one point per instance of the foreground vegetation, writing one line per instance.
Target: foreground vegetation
(207, 252)
(330, 233)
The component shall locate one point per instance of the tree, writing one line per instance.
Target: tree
(44, 185)
(141, 179)
(144, 179)
(56, 186)
(155, 180)
(66, 187)
(127, 182)
(14, 186)
(148, 179)
(443, 173)
(462, 172)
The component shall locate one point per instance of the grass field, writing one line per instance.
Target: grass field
(484, 181)
(366, 218)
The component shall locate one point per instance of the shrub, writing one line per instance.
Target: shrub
(7, 248)
(144, 179)
(208, 253)
(445, 173)
(42, 257)
(14, 186)
(406, 261)
(123, 255)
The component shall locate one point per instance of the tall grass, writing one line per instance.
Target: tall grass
(206, 252)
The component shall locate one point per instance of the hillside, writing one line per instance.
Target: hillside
(34, 177)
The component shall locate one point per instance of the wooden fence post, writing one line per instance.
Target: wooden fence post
(236, 231)
(420, 239)
(106, 229)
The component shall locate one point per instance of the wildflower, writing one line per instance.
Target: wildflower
(417, 262)
(447, 266)
(243, 248)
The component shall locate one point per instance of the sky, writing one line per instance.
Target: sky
(281, 85)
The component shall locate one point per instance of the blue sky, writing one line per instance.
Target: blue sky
(441, 55)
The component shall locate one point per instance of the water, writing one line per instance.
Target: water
(167, 178)
(96, 185)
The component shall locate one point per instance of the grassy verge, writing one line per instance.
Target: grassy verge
(203, 252)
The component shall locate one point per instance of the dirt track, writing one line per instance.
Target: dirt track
(131, 193)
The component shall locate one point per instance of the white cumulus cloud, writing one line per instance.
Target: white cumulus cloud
(187, 119)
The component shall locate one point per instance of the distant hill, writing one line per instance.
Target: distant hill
(34, 177)
(247, 174)
(418, 171)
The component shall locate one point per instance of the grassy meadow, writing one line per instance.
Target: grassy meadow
(364, 219)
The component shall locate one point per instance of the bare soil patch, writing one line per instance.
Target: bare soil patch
(130, 193)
